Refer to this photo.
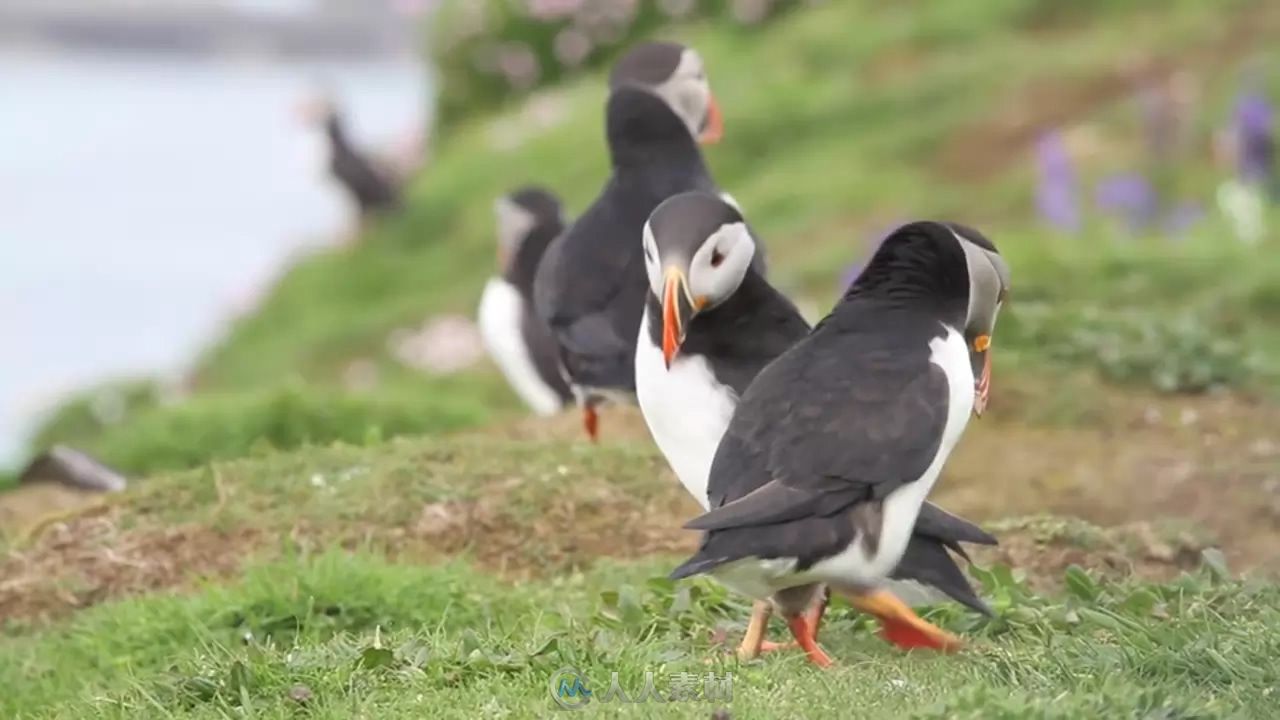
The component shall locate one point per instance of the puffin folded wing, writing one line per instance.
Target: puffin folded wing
(594, 354)
(776, 502)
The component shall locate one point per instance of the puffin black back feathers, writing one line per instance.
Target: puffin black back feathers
(590, 287)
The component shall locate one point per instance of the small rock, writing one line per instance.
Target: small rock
(442, 345)
(61, 464)
(301, 694)
(360, 375)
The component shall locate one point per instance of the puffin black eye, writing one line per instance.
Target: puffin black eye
(717, 257)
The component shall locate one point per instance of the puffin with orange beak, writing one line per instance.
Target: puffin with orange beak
(711, 324)
(822, 474)
(591, 285)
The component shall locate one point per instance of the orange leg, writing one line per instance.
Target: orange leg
(803, 631)
(591, 422)
(753, 642)
(900, 624)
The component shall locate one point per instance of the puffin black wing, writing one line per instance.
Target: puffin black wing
(590, 291)
(848, 415)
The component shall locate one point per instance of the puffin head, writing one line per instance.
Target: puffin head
(988, 289)
(697, 250)
(952, 269)
(676, 75)
(518, 214)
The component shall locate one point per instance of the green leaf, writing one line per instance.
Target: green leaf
(1140, 602)
(1080, 584)
(1216, 562)
(550, 645)
(375, 657)
(237, 679)
(470, 642)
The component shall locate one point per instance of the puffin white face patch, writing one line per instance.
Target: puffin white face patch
(721, 262)
(514, 224)
(688, 92)
(652, 261)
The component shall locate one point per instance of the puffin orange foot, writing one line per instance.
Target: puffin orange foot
(591, 423)
(901, 626)
(804, 633)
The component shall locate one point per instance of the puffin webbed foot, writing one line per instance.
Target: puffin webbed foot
(901, 626)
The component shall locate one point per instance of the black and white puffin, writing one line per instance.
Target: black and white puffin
(834, 447)
(373, 189)
(590, 287)
(710, 324)
(519, 342)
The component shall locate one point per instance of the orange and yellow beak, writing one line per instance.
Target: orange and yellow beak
(678, 308)
(713, 127)
(982, 388)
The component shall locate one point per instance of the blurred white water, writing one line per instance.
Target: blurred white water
(143, 198)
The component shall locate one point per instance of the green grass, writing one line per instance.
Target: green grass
(370, 639)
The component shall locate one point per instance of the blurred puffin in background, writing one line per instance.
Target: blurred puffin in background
(591, 286)
(519, 342)
(372, 182)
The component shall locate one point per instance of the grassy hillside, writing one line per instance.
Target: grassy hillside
(833, 135)
(457, 575)
(294, 547)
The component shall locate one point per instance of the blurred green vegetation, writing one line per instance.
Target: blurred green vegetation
(487, 52)
(228, 425)
(841, 119)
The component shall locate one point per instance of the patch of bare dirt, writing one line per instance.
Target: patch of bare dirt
(1043, 547)
(1211, 462)
(85, 560)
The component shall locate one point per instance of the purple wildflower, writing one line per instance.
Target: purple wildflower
(1182, 218)
(1056, 195)
(1255, 139)
(1130, 196)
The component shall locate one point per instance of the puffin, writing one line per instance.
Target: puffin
(590, 287)
(711, 323)
(519, 342)
(373, 188)
(823, 471)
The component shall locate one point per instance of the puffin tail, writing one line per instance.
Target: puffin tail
(952, 530)
(927, 561)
